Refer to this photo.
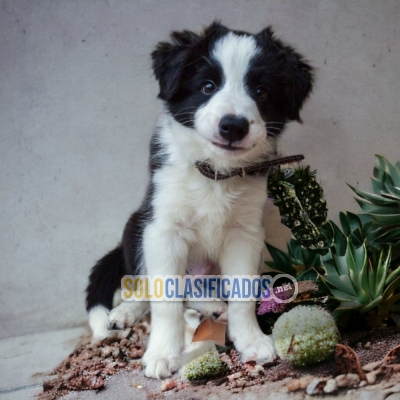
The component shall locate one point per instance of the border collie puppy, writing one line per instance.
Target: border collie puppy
(227, 96)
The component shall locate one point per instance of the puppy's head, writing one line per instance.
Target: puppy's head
(235, 90)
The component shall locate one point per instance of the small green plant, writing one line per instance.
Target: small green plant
(204, 366)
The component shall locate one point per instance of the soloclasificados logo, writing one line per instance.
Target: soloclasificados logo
(207, 288)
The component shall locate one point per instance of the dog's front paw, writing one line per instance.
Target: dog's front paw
(160, 363)
(256, 347)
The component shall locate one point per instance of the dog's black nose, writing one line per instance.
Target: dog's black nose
(233, 128)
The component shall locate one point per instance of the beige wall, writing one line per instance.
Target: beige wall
(77, 107)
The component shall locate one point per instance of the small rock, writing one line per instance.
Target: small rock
(115, 352)
(305, 381)
(106, 351)
(293, 385)
(362, 384)
(346, 380)
(367, 345)
(315, 386)
(371, 377)
(135, 363)
(168, 385)
(241, 383)
(237, 375)
(330, 386)
(124, 334)
(227, 360)
(371, 366)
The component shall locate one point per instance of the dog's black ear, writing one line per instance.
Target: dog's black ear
(169, 59)
(299, 83)
(298, 74)
(216, 28)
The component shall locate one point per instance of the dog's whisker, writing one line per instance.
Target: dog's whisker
(186, 110)
(205, 58)
(194, 61)
(186, 121)
(274, 127)
(183, 113)
(275, 122)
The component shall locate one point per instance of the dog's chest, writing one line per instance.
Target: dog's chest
(202, 210)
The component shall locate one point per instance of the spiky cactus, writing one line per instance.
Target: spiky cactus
(305, 335)
(299, 198)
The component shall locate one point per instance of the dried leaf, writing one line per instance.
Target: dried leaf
(347, 362)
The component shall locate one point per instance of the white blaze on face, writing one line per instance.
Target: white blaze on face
(234, 53)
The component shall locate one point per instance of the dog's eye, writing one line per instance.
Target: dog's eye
(208, 87)
(261, 93)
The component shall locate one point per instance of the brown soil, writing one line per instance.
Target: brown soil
(89, 366)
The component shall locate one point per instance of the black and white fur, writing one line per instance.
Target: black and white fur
(227, 95)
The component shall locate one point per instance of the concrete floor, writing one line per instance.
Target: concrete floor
(27, 360)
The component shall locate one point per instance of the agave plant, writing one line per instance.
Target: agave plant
(361, 228)
(381, 209)
(351, 279)
(299, 262)
(358, 282)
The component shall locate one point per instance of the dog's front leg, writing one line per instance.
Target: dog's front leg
(165, 253)
(241, 256)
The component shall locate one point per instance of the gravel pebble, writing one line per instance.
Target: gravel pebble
(346, 380)
(316, 386)
(168, 385)
(330, 386)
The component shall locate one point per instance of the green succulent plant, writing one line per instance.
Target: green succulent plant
(299, 261)
(353, 280)
(359, 262)
(381, 209)
(390, 299)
